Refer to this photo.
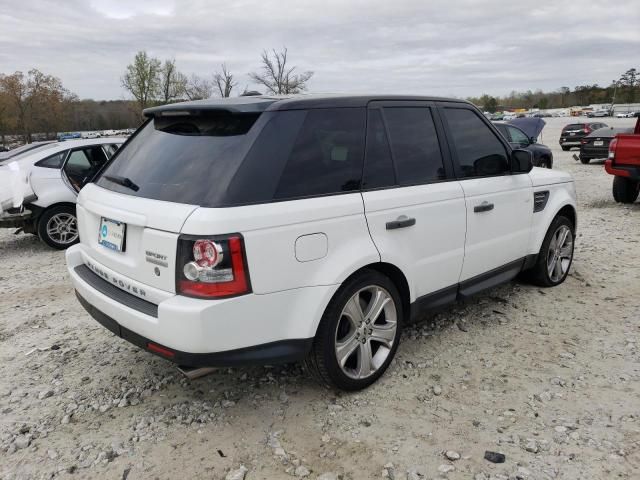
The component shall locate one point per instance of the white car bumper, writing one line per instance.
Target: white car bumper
(251, 328)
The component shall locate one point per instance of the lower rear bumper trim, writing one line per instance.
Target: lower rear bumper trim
(283, 351)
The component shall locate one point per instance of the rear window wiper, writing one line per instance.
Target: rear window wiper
(124, 181)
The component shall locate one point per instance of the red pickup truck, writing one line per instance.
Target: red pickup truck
(624, 163)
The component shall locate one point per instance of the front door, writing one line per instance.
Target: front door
(414, 206)
(499, 204)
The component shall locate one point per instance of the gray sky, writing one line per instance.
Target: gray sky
(449, 48)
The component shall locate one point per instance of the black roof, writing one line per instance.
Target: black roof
(263, 103)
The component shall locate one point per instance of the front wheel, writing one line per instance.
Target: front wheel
(556, 254)
(625, 190)
(359, 333)
(58, 227)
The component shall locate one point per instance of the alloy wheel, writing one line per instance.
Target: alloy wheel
(365, 332)
(560, 253)
(62, 228)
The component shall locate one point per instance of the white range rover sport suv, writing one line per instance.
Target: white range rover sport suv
(261, 229)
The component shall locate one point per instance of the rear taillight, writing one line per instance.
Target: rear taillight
(212, 267)
(587, 129)
(584, 141)
(612, 148)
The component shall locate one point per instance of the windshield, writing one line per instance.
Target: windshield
(180, 158)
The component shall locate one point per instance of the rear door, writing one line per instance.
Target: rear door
(414, 206)
(498, 204)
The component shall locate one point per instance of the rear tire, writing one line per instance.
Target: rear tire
(566, 149)
(358, 334)
(625, 190)
(584, 160)
(556, 254)
(58, 227)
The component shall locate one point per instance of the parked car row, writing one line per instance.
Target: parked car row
(310, 228)
(573, 133)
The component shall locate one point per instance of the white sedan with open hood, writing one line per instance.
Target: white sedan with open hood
(38, 189)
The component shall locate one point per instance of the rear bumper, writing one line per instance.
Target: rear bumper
(17, 220)
(283, 351)
(628, 171)
(252, 328)
(594, 153)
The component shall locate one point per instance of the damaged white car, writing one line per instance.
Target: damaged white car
(38, 189)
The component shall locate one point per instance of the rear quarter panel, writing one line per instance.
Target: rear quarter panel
(272, 230)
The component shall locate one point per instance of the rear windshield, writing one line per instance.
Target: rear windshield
(220, 160)
(574, 126)
(180, 158)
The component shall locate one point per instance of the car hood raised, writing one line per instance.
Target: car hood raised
(546, 176)
(531, 126)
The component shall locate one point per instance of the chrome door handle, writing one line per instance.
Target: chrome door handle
(401, 222)
(483, 207)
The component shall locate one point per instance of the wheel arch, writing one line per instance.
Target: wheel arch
(561, 202)
(43, 210)
(397, 276)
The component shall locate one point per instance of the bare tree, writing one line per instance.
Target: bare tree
(277, 77)
(198, 88)
(224, 82)
(172, 82)
(142, 78)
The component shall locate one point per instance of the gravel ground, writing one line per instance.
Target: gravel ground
(549, 378)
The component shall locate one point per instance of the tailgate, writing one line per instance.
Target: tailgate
(150, 238)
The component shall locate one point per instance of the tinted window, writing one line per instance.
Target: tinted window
(182, 158)
(574, 126)
(378, 171)
(327, 154)
(414, 143)
(479, 152)
(502, 128)
(518, 136)
(53, 161)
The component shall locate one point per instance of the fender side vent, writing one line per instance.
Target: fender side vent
(540, 200)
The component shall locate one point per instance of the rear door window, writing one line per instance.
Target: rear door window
(378, 171)
(478, 150)
(414, 143)
(83, 164)
(327, 154)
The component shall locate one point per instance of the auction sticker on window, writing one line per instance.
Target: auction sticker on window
(111, 234)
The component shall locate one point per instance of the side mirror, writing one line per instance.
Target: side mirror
(521, 161)
(532, 140)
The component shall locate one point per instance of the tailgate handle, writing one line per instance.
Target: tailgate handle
(483, 207)
(401, 222)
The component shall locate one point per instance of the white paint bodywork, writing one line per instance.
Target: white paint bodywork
(48, 184)
(300, 252)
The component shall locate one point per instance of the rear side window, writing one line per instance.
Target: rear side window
(53, 161)
(181, 158)
(480, 153)
(326, 156)
(414, 143)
